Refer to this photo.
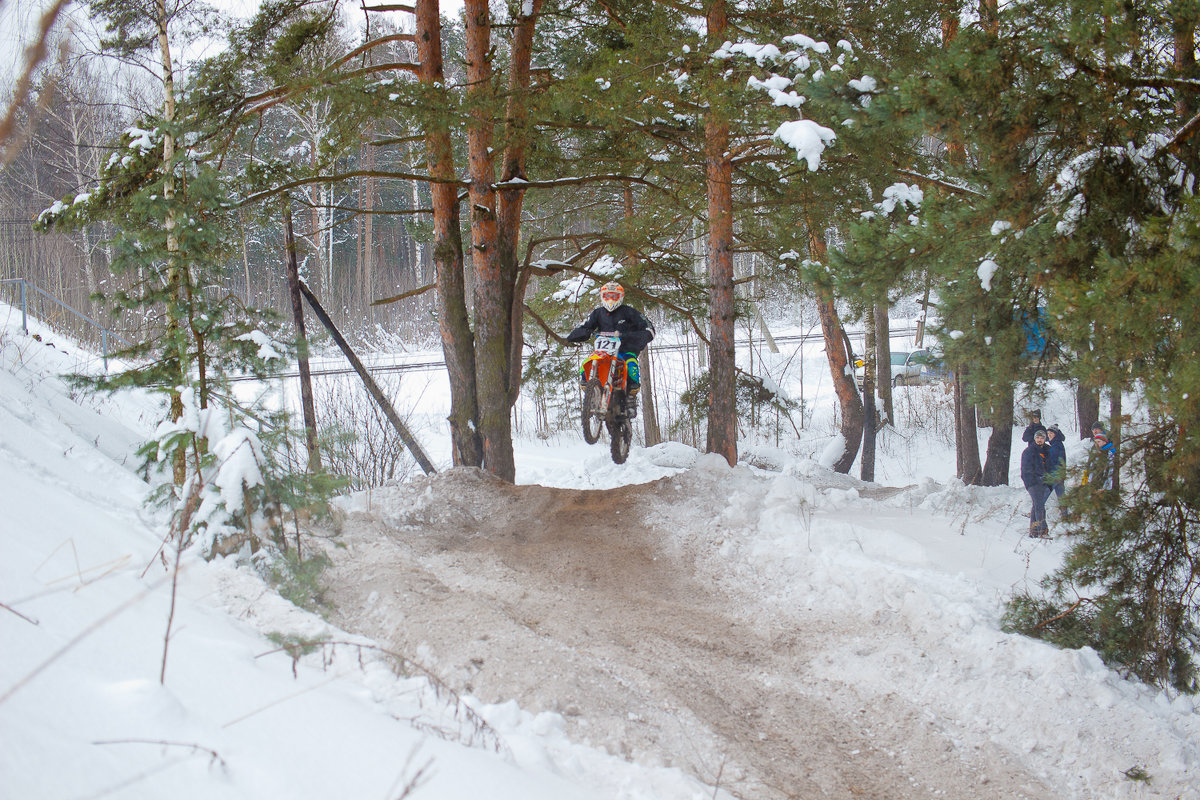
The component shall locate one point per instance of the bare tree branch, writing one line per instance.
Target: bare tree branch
(522, 185)
(393, 7)
(264, 100)
(340, 176)
(545, 326)
(404, 296)
(1183, 134)
(35, 54)
(931, 180)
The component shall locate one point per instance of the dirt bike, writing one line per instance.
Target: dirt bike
(604, 396)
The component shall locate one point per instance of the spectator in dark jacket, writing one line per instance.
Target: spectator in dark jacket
(1056, 460)
(1033, 475)
(1035, 425)
(613, 316)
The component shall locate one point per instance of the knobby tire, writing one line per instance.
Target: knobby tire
(621, 433)
(592, 414)
(620, 430)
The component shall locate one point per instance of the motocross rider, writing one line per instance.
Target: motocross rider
(634, 329)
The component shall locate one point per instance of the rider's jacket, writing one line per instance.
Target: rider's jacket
(634, 329)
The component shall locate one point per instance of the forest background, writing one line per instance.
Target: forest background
(1026, 170)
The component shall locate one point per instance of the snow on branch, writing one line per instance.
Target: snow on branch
(759, 52)
(1151, 164)
(987, 270)
(807, 137)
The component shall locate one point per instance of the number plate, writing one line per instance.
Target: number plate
(607, 343)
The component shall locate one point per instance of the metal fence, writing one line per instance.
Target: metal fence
(28, 292)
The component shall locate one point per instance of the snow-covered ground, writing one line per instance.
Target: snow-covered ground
(86, 596)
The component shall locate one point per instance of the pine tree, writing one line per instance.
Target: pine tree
(1061, 246)
(168, 202)
(662, 104)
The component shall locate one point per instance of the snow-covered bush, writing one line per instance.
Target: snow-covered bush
(241, 488)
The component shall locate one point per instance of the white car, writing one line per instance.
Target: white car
(908, 367)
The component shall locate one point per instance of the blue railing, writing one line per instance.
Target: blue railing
(25, 287)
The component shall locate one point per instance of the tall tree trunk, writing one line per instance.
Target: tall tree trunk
(458, 346)
(999, 447)
(1183, 23)
(317, 225)
(840, 370)
(360, 230)
(919, 338)
(365, 289)
(79, 164)
(870, 357)
(699, 246)
(306, 393)
(989, 12)
(511, 201)
(722, 398)
(245, 255)
(650, 428)
(1087, 408)
(966, 438)
(493, 294)
(883, 361)
(838, 357)
(1185, 15)
(175, 269)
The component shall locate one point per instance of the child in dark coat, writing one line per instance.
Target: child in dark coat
(1033, 475)
(1056, 460)
(1035, 425)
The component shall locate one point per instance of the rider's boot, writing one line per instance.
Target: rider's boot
(631, 400)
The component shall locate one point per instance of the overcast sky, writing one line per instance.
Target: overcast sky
(19, 23)
(18, 18)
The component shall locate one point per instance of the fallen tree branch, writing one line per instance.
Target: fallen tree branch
(373, 389)
(7, 607)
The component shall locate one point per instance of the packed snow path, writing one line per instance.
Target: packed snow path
(598, 605)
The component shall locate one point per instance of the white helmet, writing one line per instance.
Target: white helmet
(611, 295)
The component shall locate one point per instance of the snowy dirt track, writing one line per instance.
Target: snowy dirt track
(612, 608)
(773, 630)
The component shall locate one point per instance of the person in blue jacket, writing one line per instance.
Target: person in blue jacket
(1056, 461)
(1033, 475)
(1101, 461)
(612, 315)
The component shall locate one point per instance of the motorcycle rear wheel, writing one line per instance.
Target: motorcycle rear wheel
(593, 411)
(621, 434)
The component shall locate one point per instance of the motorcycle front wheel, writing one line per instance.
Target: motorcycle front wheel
(593, 410)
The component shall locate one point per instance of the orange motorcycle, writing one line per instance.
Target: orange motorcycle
(603, 375)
